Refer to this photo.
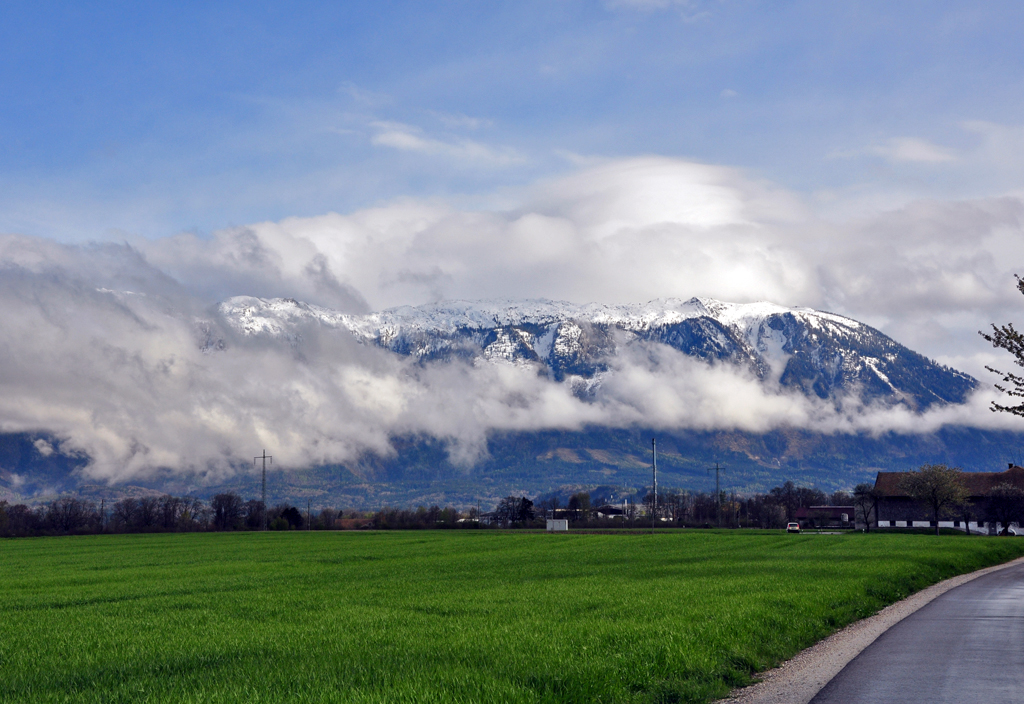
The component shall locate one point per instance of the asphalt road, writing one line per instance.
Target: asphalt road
(966, 646)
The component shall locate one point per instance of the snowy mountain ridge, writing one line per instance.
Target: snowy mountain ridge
(252, 315)
(821, 353)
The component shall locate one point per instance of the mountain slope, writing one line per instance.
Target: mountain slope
(534, 463)
(789, 351)
(820, 354)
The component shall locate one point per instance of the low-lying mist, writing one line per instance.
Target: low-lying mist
(119, 362)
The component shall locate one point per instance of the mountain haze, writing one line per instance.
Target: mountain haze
(861, 398)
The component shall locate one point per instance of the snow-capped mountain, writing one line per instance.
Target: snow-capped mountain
(822, 354)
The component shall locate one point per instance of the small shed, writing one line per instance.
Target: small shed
(557, 524)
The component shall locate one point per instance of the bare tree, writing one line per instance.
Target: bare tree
(840, 498)
(673, 503)
(22, 520)
(227, 510)
(865, 500)
(1007, 338)
(148, 512)
(68, 514)
(193, 514)
(579, 504)
(505, 511)
(648, 503)
(253, 512)
(793, 497)
(550, 505)
(1005, 505)
(325, 521)
(124, 514)
(514, 509)
(937, 486)
(171, 508)
(967, 510)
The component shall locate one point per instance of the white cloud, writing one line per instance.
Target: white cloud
(1001, 148)
(43, 448)
(912, 150)
(408, 138)
(931, 273)
(122, 377)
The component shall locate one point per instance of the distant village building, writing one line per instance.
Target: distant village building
(897, 510)
(609, 511)
(825, 516)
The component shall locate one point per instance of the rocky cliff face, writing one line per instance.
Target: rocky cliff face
(821, 354)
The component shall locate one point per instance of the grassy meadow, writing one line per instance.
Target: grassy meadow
(434, 616)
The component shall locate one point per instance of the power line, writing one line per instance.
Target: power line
(264, 457)
(718, 496)
(654, 501)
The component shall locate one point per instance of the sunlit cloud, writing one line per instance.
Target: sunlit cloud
(119, 352)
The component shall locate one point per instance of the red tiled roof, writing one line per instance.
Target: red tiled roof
(978, 483)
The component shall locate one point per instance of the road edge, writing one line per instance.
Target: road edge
(797, 680)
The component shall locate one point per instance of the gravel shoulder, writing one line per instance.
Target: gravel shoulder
(797, 680)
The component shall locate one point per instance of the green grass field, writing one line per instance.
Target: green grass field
(466, 616)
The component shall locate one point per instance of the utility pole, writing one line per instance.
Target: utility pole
(308, 501)
(264, 457)
(718, 497)
(654, 498)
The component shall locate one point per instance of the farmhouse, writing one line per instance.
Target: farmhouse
(897, 510)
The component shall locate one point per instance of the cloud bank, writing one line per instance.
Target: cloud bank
(108, 346)
(930, 273)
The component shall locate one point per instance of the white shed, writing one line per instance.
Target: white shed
(557, 524)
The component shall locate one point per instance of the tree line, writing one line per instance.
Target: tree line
(938, 488)
(69, 515)
(674, 507)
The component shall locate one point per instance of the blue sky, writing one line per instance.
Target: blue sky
(154, 118)
(158, 158)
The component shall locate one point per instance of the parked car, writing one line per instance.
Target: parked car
(792, 527)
